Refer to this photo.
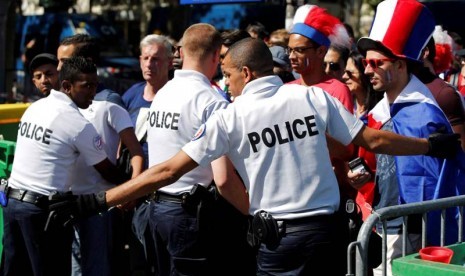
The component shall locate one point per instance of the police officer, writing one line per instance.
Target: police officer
(276, 141)
(52, 134)
(94, 249)
(177, 111)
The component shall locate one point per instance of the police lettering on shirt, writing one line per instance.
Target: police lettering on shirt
(163, 119)
(299, 129)
(35, 132)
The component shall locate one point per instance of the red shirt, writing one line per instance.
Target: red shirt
(336, 89)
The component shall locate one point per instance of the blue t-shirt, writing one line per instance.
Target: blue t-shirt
(108, 95)
(133, 101)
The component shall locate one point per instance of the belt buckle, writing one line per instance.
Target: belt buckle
(22, 193)
(152, 197)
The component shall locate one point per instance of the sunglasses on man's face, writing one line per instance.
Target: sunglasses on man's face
(332, 66)
(375, 62)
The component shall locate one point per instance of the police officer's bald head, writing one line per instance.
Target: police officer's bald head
(254, 54)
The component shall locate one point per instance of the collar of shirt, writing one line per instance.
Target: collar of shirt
(192, 74)
(61, 96)
(262, 84)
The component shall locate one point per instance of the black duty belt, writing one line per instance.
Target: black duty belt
(303, 224)
(160, 196)
(28, 196)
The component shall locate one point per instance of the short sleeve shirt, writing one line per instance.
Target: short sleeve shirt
(109, 119)
(176, 113)
(275, 137)
(448, 100)
(52, 134)
(138, 109)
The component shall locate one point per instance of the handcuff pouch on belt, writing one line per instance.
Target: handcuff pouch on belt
(195, 198)
(197, 202)
(265, 229)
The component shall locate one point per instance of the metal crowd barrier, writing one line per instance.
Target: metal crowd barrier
(361, 245)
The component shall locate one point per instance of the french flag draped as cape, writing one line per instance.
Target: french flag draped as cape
(415, 113)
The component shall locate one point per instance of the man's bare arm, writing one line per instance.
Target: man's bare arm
(151, 179)
(129, 139)
(338, 150)
(230, 185)
(380, 141)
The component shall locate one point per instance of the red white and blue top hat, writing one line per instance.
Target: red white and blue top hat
(401, 28)
(318, 25)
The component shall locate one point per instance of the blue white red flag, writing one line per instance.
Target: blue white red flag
(415, 113)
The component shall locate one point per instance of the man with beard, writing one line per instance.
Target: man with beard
(43, 68)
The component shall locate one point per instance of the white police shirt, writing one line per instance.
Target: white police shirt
(52, 134)
(109, 119)
(275, 137)
(177, 111)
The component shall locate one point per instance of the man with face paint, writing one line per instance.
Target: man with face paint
(312, 33)
(408, 108)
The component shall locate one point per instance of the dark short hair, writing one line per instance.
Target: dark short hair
(75, 66)
(431, 45)
(232, 36)
(342, 50)
(85, 46)
(456, 37)
(253, 53)
(349, 29)
(258, 28)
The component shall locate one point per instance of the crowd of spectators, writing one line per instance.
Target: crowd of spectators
(243, 96)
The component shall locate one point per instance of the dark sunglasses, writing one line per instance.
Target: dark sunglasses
(350, 74)
(376, 62)
(332, 66)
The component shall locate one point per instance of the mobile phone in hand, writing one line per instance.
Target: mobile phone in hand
(358, 165)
